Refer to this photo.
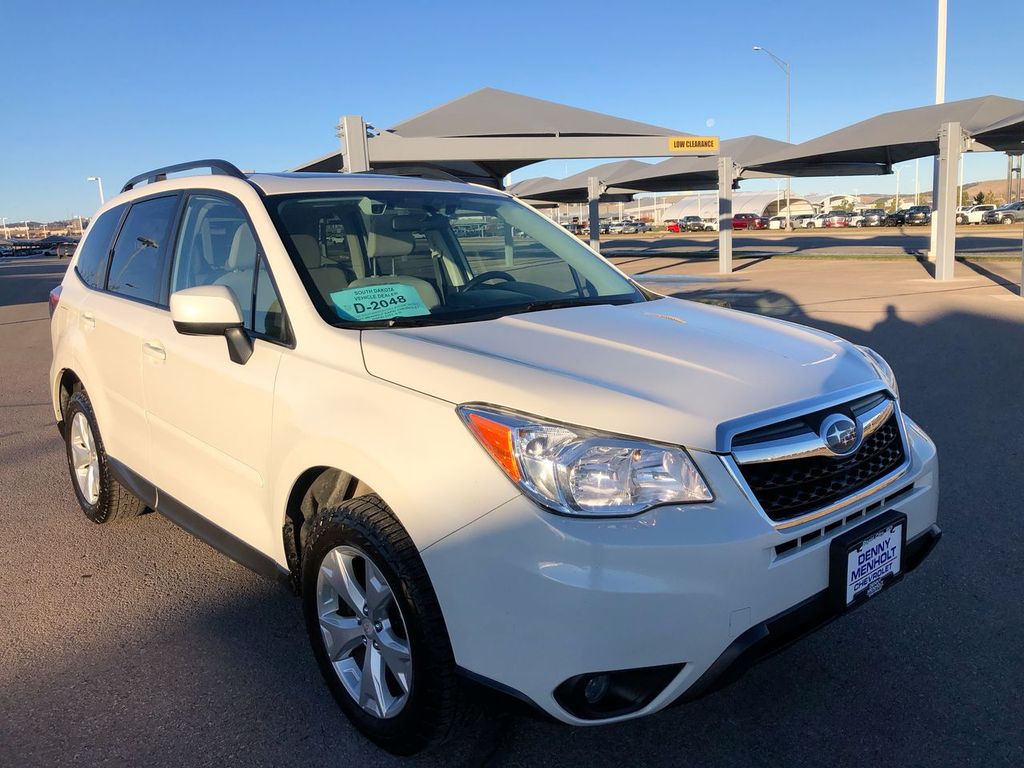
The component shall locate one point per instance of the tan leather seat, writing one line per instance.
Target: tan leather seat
(240, 265)
(328, 278)
(385, 246)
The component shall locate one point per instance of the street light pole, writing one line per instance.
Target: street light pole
(99, 181)
(6, 236)
(896, 202)
(784, 66)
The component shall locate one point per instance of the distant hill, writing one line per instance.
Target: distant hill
(995, 188)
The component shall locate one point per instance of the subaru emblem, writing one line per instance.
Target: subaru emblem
(840, 434)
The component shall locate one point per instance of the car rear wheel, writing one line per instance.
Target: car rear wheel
(376, 627)
(101, 497)
(1007, 219)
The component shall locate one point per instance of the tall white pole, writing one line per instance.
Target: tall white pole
(917, 182)
(6, 236)
(940, 98)
(784, 66)
(940, 56)
(99, 182)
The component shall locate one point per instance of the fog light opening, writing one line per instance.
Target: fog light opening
(596, 688)
(603, 695)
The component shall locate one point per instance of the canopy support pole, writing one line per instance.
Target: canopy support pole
(594, 191)
(944, 213)
(355, 152)
(725, 178)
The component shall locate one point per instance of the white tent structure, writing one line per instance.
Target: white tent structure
(763, 203)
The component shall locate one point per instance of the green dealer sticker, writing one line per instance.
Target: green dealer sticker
(378, 302)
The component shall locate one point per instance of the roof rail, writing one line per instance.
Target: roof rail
(222, 167)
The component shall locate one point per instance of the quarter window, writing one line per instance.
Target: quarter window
(137, 266)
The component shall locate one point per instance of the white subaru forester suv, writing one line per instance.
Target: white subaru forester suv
(477, 450)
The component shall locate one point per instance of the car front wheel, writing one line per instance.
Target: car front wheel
(376, 627)
(100, 496)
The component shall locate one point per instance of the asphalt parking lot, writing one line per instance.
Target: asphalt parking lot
(134, 643)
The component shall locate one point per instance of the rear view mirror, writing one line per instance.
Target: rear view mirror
(212, 310)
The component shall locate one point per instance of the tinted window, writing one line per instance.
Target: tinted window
(92, 261)
(137, 265)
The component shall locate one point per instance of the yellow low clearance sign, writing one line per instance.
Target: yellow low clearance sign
(693, 144)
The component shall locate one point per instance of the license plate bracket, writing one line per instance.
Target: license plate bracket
(858, 572)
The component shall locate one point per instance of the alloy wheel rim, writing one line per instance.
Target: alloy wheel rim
(364, 632)
(85, 460)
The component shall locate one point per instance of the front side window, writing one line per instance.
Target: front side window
(217, 246)
(137, 266)
(92, 260)
(413, 258)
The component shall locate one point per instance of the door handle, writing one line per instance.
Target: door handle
(154, 350)
(88, 321)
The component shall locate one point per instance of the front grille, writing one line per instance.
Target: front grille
(790, 488)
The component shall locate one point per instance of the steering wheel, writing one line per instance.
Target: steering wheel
(485, 276)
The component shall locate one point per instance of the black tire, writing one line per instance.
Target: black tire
(430, 714)
(114, 502)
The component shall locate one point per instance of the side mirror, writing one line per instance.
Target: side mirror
(212, 310)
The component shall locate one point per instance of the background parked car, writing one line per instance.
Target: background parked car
(896, 218)
(692, 223)
(710, 223)
(1006, 214)
(870, 217)
(800, 220)
(817, 221)
(673, 225)
(777, 222)
(837, 219)
(634, 227)
(973, 214)
(749, 221)
(918, 215)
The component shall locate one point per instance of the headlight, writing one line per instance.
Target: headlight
(574, 471)
(883, 368)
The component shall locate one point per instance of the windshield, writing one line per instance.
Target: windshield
(381, 259)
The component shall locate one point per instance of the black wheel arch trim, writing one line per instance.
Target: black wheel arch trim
(187, 518)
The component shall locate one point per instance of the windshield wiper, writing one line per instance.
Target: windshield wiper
(491, 313)
(538, 306)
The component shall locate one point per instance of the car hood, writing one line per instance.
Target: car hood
(668, 370)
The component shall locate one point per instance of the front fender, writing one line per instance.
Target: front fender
(411, 448)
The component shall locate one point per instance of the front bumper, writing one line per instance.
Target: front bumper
(532, 599)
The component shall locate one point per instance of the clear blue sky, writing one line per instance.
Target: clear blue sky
(115, 88)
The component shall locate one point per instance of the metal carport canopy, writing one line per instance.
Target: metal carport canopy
(489, 133)
(684, 174)
(946, 130)
(575, 188)
(894, 137)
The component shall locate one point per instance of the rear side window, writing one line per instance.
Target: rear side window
(92, 260)
(137, 266)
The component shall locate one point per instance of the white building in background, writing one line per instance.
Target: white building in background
(763, 203)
